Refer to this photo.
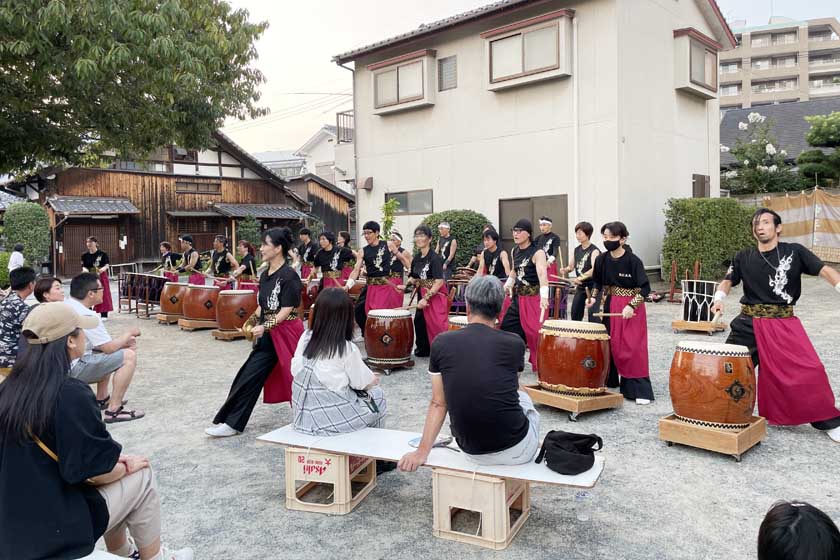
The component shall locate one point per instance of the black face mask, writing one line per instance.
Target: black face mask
(612, 245)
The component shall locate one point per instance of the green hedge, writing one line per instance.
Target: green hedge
(466, 228)
(27, 223)
(709, 229)
(4, 269)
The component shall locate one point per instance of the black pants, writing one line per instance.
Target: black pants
(742, 333)
(511, 322)
(579, 306)
(359, 310)
(248, 384)
(421, 337)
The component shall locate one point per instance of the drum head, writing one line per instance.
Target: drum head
(459, 320)
(713, 348)
(235, 292)
(178, 284)
(573, 326)
(197, 287)
(389, 313)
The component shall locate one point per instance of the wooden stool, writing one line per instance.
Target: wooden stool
(493, 498)
(318, 468)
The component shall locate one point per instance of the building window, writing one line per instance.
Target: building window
(192, 187)
(827, 35)
(412, 202)
(761, 64)
(825, 82)
(825, 59)
(730, 68)
(757, 41)
(784, 38)
(399, 85)
(731, 89)
(525, 53)
(703, 63)
(447, 73)
(774, 86)
(700, 186)
(183, 155)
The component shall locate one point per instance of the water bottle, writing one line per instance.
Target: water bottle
(582, 504)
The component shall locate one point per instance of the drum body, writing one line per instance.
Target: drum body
(172, 298)
(357, 288)
(235, 306)
(713, 384)
(457, 322)
(308, 295)
(574, 357)
(698, 297)
(389, 337)
(200, 302)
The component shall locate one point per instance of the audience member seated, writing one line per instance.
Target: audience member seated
(49, 289)
(797, 531)
(475, 377)
(104, 355)
(64, 482)
(333, 390)
(13, 311)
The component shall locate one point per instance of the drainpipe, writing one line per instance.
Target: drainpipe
(576, 209)
(355, 162)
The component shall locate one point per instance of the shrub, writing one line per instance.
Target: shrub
(709, 229)
(248, 229)
(466, 228)
(4, 269)
(27, 223)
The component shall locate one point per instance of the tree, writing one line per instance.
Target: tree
(825, 130)
(248, 229)
(84, 77)
(760, 165)
(389, 210)
(819, 167)
(28, 223)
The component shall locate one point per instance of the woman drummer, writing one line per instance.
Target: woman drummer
(246, 272)
(330, 261)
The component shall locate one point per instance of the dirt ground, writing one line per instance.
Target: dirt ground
(225, 498)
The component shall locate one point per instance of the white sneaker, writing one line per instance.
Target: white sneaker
(643, 401)
(834, 434)
(168, 554)
(220, 430)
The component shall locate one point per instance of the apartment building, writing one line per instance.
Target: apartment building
(783, 61)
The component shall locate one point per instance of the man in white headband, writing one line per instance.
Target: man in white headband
(549, 242)
(446, 247)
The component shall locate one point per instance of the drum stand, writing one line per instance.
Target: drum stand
(168, 318)
(219, 334)
(195, 324)
(701, 302)
(575, 405)
(728, 442)
(386, 370)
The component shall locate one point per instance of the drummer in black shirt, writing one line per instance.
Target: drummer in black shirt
(330, 261)
(583, 266)
(222, 262)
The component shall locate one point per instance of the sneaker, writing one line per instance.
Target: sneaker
(834, 434)
(642, 401)
(167, 553)
(221, 430)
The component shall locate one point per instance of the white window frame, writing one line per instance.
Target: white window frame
(521, 33)
(706, 50)
(398, 100)
(428, 81)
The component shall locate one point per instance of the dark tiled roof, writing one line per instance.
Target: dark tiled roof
(192, 214)
(260, 211)
(789, 125)
(91, 205)
(7, 200)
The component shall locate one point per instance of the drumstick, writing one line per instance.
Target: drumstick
(599, 314)
(717, 317)
(408, 307)
(559, 277)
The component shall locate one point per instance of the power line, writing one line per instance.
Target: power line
(314, 93)
(292, 110)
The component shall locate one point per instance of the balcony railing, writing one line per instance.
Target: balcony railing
(345, 124)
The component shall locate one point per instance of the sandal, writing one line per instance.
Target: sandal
(123, 415)
(103, 404)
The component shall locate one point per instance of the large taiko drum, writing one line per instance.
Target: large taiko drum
(200, 302)
(308, 295)
(574, 357)
(235, 306)
(389, 337)
(172, 298)
(457, 322)
(357, 288)
(713, 384)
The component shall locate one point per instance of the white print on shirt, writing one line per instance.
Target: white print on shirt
(443, 249)
(274, 297)
(306, 253)
(624, 275)
(492, 268)
(377, 262)
(547, 246)
(779, 282)
(582, 262)
(334, 263)
(424, 272)
(520, 271)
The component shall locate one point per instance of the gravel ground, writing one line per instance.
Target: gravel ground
(225, 498)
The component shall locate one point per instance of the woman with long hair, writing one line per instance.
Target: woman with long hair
(96, 261)
(344, 241)
(277, 328)
(334, 391)
(246, 273)
(64, 481)
(330, 261)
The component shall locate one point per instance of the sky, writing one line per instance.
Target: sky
(304, 88)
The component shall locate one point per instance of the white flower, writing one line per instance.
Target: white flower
(723, 149)
(773, 168)
(762, 167)
(730, 174)
(784, 153)
(743, 126)
(770, 149)
(746, 162)
(755, 118)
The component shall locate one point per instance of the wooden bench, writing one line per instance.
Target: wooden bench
(500, 495)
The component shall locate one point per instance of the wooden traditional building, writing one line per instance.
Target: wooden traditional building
(329, 203)
(131, 206)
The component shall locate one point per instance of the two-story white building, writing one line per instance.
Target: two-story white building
(591, 110)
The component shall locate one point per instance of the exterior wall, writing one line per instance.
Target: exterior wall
(154, 195)
(665, 135)
(334, 210)
(475, 147)
(322, 152)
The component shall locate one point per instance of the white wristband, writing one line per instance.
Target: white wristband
(720, 295)
(350, 283)
(509, 283)
(837, 286)
(551, 260)
(543, 292)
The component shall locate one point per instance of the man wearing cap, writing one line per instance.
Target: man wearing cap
(549, 242)
(13, 311)
(446, 247)
(528, 283)
(103, 354)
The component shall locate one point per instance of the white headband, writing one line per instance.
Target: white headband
(444, 225)
(545, 222)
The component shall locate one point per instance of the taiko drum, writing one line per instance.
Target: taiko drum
(713, 384)
(200, 302)
(574, 357)
(234, 308)
(172, 298)
(389, 337)
(457, 322)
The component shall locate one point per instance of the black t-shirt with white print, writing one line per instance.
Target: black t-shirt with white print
(377, 260)
(429, 267)
(773, 277)
(334, 259)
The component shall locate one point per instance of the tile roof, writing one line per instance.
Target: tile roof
(91, 205)
(7, 200)
(789, 125)
(260, 211)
